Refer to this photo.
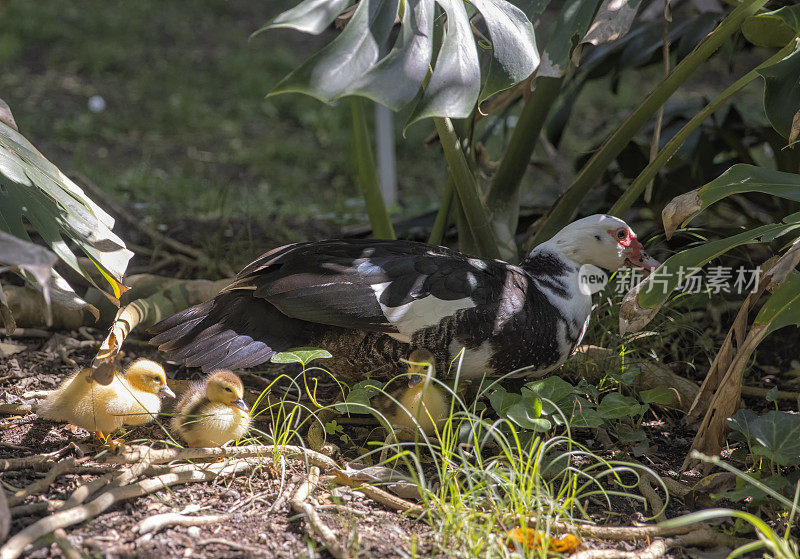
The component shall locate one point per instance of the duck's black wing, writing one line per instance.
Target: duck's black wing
(284, 297)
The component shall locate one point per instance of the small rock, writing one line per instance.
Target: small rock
(193, 531)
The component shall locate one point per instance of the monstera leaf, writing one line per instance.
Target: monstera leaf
(361, 60)
(35, 191)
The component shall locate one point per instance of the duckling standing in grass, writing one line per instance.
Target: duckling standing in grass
(420, 405)
(132, 399)
(212, 412)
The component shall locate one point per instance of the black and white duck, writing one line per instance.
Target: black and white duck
(371, 302)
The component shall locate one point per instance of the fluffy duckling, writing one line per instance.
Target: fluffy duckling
(212, 412)
(422, 404)
(132, 399)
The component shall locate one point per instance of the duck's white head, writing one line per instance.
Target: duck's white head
(603, 241)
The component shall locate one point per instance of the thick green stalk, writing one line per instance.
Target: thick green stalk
(506, 181)
(567, 204)
(368, 173)
(648, 174)
(466, 187)
(443, 216)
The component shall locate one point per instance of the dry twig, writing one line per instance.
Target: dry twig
(703, 537)
(383, 497)
(318, 528)
(158, 522)
(133, 454)
(186, 473)
(41, 485)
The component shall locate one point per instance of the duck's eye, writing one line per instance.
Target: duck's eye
(227, 389)
(621, 234)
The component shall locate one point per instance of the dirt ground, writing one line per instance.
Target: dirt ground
(260, 521)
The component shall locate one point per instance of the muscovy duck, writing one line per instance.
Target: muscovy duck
(370, 302)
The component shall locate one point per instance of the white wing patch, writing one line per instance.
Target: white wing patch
(476, 361)
(421, 313)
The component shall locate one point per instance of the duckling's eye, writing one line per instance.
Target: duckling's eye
(228, 389)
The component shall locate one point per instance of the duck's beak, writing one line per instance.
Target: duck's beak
(416, 372)
(635, 257)
(166, 391)
(240, 403)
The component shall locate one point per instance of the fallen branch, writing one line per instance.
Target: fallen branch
(758, 392)
(41, 485)
(187, 473)
(623, 533)
(703, 537)
(133, 454)
(383, 497)
(234, 545)
(318, 528)
(15, 409)
(22, 511)
(160, 521)
(35, 460)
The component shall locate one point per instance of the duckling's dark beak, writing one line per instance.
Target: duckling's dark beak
(414, 380)
(240, 403)
(166, 391)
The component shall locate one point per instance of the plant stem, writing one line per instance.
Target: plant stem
(515, 160)
(592, 172)
(466, 187)
(648, 174)
(443, 216)
(368, 173)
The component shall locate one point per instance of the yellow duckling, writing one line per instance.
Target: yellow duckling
(132, 399)
(212, 412)
(422, 404)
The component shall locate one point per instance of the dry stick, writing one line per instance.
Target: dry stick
(64, 518)
(758, 392)
(160, 521)
(383, 497)
(318, 528)
(15, 409)
(647, 491)
(35, 459)
(66, 546)
(41, 485)
(22, 511)
(132, 454)
(26, 333)
(624, 533)
(233, 545)
(702, 537)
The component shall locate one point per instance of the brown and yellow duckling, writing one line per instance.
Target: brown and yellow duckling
(419, 405)
(212, 412)
(130, 399)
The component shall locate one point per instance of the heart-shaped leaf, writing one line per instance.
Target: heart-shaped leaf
(778, 436)
(616, 406)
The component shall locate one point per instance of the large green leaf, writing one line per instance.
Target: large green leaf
(310, 16)
(514, 54)
(783, 306)
(778, 434)
(455, 84)
(410, 60)
(331, 72)
(782, 92)
(353, 63)
(773, 29)
(33, 189)
(573, 22)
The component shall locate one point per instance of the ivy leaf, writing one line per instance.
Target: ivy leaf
(660, 395)
(742, 422)
(778, 436)
(555, 389)
(527, 414)
(616, 406)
